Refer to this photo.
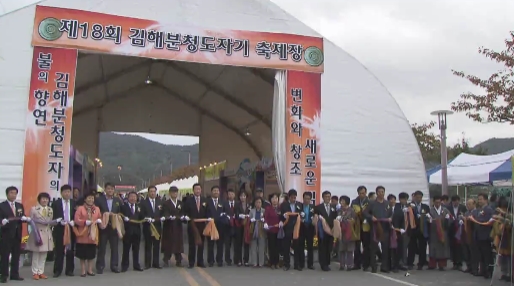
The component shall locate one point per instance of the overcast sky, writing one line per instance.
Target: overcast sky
(411, 46)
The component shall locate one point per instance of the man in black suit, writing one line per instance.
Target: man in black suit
(400, 221)
(217, 210)
(291, 206)
(457, 211)
(108, 203)
(418, 241)
(153, 214)
(12, 215)
(195, 208)
(230, 230)
(132, 237)
(307, 231)
(64, 208)
(327, 212)
(361, 203)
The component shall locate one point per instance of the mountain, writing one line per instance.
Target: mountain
(496, 145)
(140, 159)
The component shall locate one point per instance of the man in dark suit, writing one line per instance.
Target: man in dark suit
(360, 204)
(217, 210)
(307, 231)
(153, 214)
(327, 212)
(457, 211)
(64, 208)
(230, 230)
(400, 221)
(12, 215)
(482, 235)
(291, 206)
(195, 208)
(418, 241)
(132, 237)
(108, 203)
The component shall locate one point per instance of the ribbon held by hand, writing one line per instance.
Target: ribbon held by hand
(296, 229)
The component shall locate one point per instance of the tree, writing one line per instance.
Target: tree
(497, 102)
(428, 142)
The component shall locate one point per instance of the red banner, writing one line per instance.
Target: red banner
(303, 121)
(49, 117)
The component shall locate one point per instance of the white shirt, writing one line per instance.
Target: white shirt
(152, 201)
(438, 211)
(215, 201)
(456, 211)
(232, 204)
(66, 217)
(174, 203)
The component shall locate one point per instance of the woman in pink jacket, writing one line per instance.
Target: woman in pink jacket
(87, 220)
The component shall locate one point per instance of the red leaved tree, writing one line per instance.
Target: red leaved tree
(496, 103)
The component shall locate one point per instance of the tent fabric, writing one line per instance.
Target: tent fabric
(469, 169)
(365, 137)
(180, 184)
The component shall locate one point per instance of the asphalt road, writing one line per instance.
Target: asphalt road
(235, 276)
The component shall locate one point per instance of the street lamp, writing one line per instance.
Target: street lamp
(119, 172)
(442, 122)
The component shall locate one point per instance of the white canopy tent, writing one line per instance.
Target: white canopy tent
(469, 169)
(220, 104)
(180, 184)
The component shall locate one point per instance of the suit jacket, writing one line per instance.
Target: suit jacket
(425, 209)
(285, 207)
(130, 227)
(329, 218)
(398, 216)
(311, 213)
(101, 203)
(156, 213)
(238, 209)
(215, 212)
(58, 210)
(482, 232)
(190, 208)
(461, 210)
(169, 209)
(13, 228)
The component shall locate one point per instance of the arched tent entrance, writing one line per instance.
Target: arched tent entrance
(364, 138)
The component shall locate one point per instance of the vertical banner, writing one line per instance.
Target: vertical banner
(48, 127)
(303, 133)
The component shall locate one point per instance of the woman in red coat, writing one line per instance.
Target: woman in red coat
(273, 223)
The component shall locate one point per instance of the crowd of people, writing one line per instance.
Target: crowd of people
(366, 233)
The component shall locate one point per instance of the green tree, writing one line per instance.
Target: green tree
(496, 102)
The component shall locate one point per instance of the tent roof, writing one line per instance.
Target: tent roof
(468, 169)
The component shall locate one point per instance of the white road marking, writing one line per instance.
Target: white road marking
(394, 280)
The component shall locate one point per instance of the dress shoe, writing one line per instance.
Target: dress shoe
(191, 266)
(201, 265)
(229, 263)
(43, 276)
(115, 271)
(220, 264)
(211, 264)
(56, 275)
(402, 268)
(17, 278)
(310, 267)
(286, 268)
(139, 269)
(123, 270)
(70, 274)
(157, 267)
(35, 277)
(99, 271)
(325, 268)
(297, 268)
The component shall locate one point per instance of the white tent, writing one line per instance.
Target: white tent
(185, 183)
(468, 169)
(365, 137)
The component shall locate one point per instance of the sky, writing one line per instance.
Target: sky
(411, 46)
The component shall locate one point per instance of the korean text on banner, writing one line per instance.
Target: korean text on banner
(303, 125)
(48, 129)
(112, 34)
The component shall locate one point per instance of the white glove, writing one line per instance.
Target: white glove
(172, 218)
(338, 217)
(209, 219)
(252, 220)
(266, 226)
(126, 219)
(71, 223)
(29, 219)
(187, 218)
(447, 216)
(461, 222)
(419, 215)
(23, 218)
(402, 231)
(63, 222)
(428, 216)
(222, 214)
(491, 220)
(365, 221)
(152, 220)
(280, 224)
(285, 215)
(163, 218)
(88, 222)
(247, 216)
(412, 205)
(242, 216)
(338, 207)
(302, 214)
(58, 220)
(98, 221)
(405, 210)
(5, 221)
(148, 219)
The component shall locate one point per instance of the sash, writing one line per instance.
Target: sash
(378, 233)
(260, 229)
(91, 230)
(365, 227)
(409, 219)
(458, 234)
(440, 230)
(247, 231)
(296, 229)
(323, 228)
(210, 230)
(281, 234)
(423, 225)
(348, 232)
(35, 231)
(153, 229)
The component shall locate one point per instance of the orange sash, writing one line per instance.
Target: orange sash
(210, 230)
(296, 230)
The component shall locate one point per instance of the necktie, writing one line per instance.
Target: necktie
(198, 203)
(216, 203)
(327, 208)
(132, 208)
(66, 211)
(153, 205)
(232, 206)
(13, 209)
(44, 212)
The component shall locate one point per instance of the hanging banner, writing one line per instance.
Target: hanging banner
(48, 127)
(303, 121)
(112, 34)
